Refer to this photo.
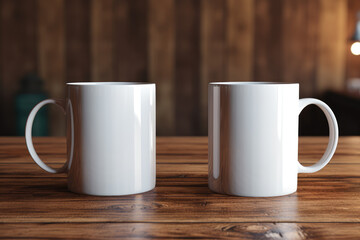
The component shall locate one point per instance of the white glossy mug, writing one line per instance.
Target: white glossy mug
(253, 138)
(110, 137)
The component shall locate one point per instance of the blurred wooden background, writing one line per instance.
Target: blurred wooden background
(181, 45)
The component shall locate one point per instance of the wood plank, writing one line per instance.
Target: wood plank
(51, 56)
(35, 204)
(240, 40)
(2, 112)
(299, 61)
(212, 37)
(59, 158)
(268, 40)
(331, 49)
(176, 150)
(352, 61)
(177, 168)
(131, 39)
(18, 54)
(102, 50)
(121, 45)
(29, 202)
(185, 230)
(77, 26)
(138, 41)
(187, 24)
(161, 62)
(300, 30)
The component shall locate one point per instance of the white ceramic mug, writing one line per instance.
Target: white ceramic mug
(110, 137)
(253, 138)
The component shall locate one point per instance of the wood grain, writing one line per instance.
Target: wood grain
(187, 68)
(240, 30)
(178, 168)
(2, 113)
(138, 39)
(102, 48)
(51, 56)
(268, 40)
(175, 150)
(332, 39)
(300, 28)
(77, 25)
(131, 39)
(186, 230)
(180, 45)
(352, 61)
(213, 52)
(121, 40)
(299, 60)
(48, 200)
(161, 62)
(18, 54)
(36, 204)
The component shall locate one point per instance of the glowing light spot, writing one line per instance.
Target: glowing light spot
(355, 48)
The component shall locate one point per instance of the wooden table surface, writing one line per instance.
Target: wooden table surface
(37, 204)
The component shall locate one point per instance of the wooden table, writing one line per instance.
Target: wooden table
(36, 204)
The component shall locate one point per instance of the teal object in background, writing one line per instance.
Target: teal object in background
(30, 94)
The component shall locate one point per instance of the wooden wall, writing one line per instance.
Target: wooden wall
(181, 45)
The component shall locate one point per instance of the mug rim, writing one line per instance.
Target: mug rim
(250, 83)
(108, 83)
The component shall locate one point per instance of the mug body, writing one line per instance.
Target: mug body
(253, 138)
(111, 138)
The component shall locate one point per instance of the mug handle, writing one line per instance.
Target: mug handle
(333, 135)
(28, 136)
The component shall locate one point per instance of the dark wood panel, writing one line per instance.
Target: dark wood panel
(51, 56)
(300, 30)
(3, 113)
(352, 61)
(268, 41)
(240, 40)
(180, 45)
(331, 54)
(161, 62)
(334, 231)
(102, 49)
(138, 40)
(77, 26)
(18, 54)
(131, 37)
(213, 52)
(299, 62)
(187, 67)
(121, 45)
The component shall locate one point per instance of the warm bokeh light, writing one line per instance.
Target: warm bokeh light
(355, 48)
